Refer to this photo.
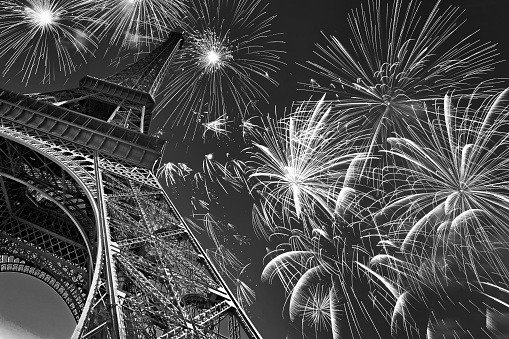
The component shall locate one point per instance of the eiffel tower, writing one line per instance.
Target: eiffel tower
(82, 210)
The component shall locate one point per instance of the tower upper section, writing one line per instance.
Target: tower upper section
(111, 115)
(133, 89)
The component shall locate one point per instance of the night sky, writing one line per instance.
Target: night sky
(301, 22)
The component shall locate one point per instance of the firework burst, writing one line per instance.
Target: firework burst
(314, 306)
(135, 22)
(33, 33)
(455, 188)
(228, 54)
(298, 161)
(397, 62)
(217, 127)
(328, 285)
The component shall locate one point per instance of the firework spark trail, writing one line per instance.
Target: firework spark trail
(193, 225)
(226, 258)
(199, 205)
(217, 127)
(228, 55)
(245, 294)
(171, 171)
(215, 228)
(298, 161)
(40, 31)
(237, 176)
(215, 177)
(262, 223)
(396, 63)
(135, 22)
(455, 185)
(233, 269)
(248, 127)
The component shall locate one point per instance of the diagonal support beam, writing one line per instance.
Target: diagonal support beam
(6, 196)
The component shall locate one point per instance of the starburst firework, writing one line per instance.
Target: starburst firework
(447, 221)
(396, 62)
(33, 33)
(228, 54)
(217, 127)
(297, 161)
(136, 22)
(455, 187)
(314, 306)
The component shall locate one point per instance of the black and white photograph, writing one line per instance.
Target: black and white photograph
(254, 169)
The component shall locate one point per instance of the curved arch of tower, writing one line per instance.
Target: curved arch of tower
(82, 211)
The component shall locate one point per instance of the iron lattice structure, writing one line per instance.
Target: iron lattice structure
(82, 211)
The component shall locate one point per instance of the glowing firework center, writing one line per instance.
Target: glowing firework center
(40, 15)
(212, 51)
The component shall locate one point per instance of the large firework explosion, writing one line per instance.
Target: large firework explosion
(397, 62)
(455, 183)
(430, 299)
(433, 297)
(298, 161)
(446, 223)
(442, 234)
(438, 219)
(229, 55)
(44, 35)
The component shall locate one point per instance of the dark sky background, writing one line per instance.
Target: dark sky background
(301, 22)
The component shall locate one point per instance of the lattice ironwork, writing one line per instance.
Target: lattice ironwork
(148, 73)
(82, 210)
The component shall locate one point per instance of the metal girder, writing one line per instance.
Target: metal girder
(76, 128)
(157, 253)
